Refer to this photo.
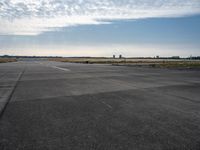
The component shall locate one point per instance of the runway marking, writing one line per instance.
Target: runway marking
(63, 69)
(109, 106)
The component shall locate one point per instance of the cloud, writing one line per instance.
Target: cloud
(28, 17)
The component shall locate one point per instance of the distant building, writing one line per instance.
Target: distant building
(114, 56)
(120, 56)
(157, 57)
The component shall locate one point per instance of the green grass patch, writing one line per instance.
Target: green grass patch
(162, 63)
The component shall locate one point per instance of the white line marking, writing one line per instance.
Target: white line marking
(63, 69)
(107, 104)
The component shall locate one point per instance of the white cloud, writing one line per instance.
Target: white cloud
(28, 17)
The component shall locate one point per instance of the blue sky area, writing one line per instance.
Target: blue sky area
(144, 36)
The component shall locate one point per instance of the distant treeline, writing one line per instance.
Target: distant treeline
(46, 57)
(17, 57)
(194, 58)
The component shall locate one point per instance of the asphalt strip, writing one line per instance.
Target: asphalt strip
(7, 99)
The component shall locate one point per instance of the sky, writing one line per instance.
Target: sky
(133, 28)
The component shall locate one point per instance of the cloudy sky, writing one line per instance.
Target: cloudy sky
(100, 27)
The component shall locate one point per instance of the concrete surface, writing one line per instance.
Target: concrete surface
(55, 106)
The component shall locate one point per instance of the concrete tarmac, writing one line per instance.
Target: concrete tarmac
(66, 106)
